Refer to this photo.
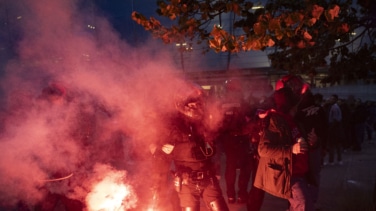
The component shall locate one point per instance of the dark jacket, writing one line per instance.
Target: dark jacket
(275, 150)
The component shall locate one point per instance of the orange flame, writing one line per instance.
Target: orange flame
(111, 193)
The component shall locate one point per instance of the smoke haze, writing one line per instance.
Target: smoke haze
(75, 98)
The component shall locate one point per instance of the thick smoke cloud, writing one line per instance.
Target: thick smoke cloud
(74, 99)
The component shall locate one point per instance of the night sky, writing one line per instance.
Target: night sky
(119, 12)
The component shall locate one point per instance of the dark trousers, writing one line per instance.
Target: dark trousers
(207, 190)
(335, 142)
(237, 150)
(255, 199)
(256, 195)
(334, 148)
(314, 176)
(359, 132)
(300, 200)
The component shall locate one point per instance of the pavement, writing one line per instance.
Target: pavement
(347, 187)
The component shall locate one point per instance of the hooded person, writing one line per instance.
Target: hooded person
(283, 151)
(312, 117)
(285, 100)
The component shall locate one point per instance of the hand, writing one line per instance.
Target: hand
(300, 147)
(152, 148)
(167, 148)
(312, 137)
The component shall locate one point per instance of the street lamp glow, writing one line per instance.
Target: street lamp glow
(257, 7)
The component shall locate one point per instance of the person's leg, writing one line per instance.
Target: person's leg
(255, 199)
(314, 173)
(218, 166)
(338, 149)
(369, 130)
(300, 200)
(362, 134)
(230, 176)
(189, 198)
(347, 136)
(256, 196)
(213, 197)
(245, 172)
(330, 151)
(355, 134)
(359, 135)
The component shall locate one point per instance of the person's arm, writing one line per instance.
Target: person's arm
(274, 141)
(159, 171)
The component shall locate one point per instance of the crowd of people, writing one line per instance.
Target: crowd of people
(354, 123)
(277, 145)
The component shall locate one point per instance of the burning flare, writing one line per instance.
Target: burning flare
(111, 193)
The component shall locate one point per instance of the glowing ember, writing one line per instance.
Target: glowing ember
(111, 194)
